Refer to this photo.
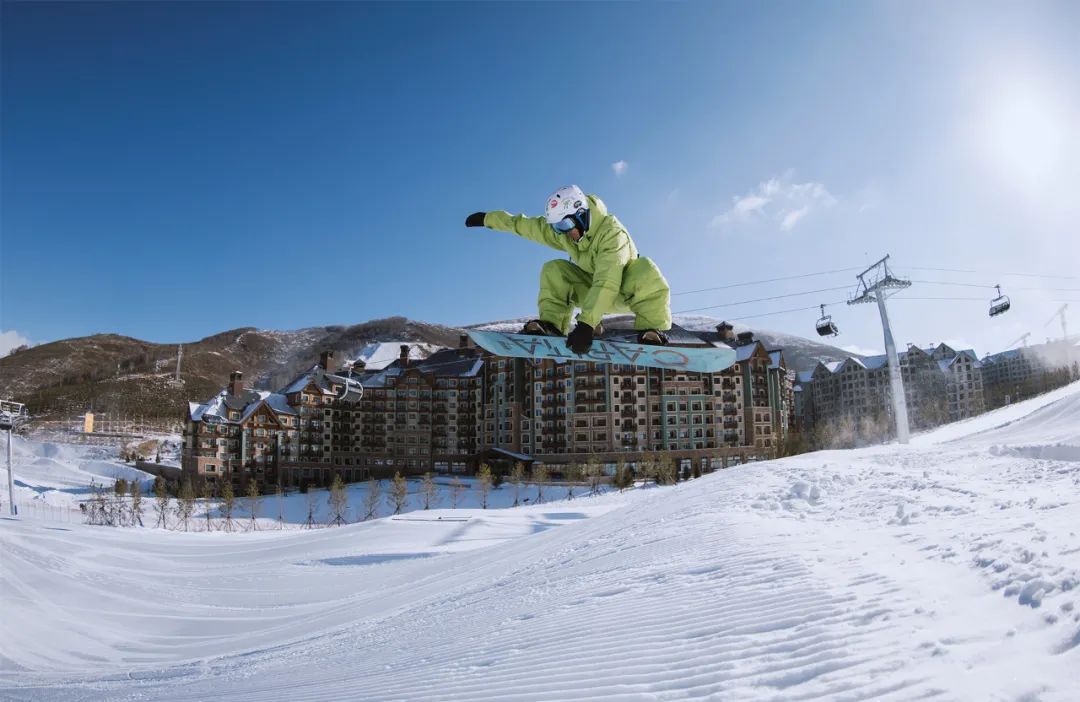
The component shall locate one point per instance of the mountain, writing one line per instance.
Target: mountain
(114, 373)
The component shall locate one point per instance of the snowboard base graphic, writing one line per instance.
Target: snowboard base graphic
(697, 359)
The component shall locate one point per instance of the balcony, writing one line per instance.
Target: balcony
(730, 412)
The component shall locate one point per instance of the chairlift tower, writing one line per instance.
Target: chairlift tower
(876, 283)
(12, 414)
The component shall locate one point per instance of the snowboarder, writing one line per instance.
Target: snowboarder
(604, 273)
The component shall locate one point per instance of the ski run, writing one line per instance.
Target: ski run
(946, 569)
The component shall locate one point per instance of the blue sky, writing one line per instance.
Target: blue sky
(174, 170)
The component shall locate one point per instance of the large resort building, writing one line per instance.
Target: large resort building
(459, 407)
(940, 385)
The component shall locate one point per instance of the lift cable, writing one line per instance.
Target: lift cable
(769, 280)
(994, 275)
(764, 299)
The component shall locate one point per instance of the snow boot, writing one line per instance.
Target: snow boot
(652, 337)
(540, 327)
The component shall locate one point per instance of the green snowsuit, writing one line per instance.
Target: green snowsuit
(609, 276)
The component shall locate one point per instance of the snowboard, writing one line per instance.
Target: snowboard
(702, 358)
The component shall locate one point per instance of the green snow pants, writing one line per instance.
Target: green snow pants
(643, 291)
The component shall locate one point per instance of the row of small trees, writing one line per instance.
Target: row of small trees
(124, 505)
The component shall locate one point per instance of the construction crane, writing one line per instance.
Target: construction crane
(1023, 338)
(1060, 313)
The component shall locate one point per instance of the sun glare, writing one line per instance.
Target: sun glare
(1022, 134)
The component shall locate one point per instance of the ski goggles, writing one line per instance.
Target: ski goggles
(564, 225)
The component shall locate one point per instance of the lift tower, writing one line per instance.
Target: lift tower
(875, 284)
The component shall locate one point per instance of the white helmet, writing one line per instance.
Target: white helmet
(567, 201)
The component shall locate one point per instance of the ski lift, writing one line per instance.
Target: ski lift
(825, 325)
(999, 304)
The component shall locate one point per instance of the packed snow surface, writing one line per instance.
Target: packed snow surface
(946, 569)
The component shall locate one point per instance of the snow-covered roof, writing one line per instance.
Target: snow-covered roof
(511, 454)
(743, 353)
(805, 376)
(213, 408)
(279, 403)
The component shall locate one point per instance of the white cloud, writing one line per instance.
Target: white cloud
(620, 167)
(9, 340)
(777, 200)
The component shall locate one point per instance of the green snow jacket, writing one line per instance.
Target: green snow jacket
(603, 251)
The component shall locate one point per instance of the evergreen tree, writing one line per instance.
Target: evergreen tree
(121, 487)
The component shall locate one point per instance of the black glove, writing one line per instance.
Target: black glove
(476, 219)
(580, 340)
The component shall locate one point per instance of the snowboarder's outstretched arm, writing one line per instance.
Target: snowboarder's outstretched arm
(532, 228)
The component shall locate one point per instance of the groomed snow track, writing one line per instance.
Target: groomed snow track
(945, 571)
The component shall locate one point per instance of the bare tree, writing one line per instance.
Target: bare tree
(483, 484)
(594, 473)
(624, 476)
(338, 501)
(517, 477)
(572, 474)
(309, 523)
(280, 506)
(136, 503)
(647, 468)
(456, 488)
(372, 499)
(161, 502)
(665, 469)
(228, 504)
(541, 477)
(253, 502)
(399, 493)
(207, 493)
(118, 502)
(187, 503)
(429, 491)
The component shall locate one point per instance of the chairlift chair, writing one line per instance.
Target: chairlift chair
(825, 325)
(999, 304)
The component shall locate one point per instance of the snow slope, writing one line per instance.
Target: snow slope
(946, 569)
